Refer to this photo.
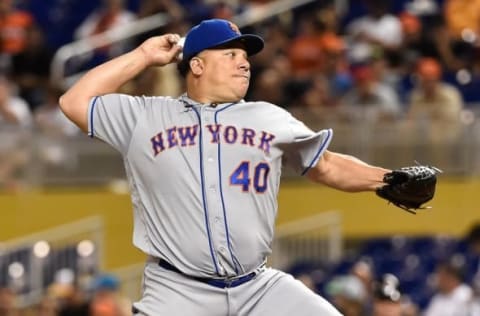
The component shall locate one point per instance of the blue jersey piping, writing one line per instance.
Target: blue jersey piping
(91, 133)
(212, 253)
(320, 150)
(234, 261)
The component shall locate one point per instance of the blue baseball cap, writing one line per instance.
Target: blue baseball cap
(216, 32)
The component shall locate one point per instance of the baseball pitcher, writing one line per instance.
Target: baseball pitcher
(204, 171)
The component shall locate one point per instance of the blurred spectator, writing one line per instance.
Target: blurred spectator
(277, 36)
(176, 15)
(309, 273)
(52, 123)
(160, 80)
(463, 19)
(469, 83)
(473, 261)
(50, 120)
(155, 81)
(474, 309)
(335, 66)
(308, 280)
(363, 270)
(370, 100)
(196, 10)
(431, 102)
(426, 36)
(422, 7)
(46, 307)
(15, 124)
(14, 25)
(379, 28)
(69, 299)
(452, 296)
(305, 51)
(386, 297)
(268, 86)
(329, 14)
(319, 68)
(387, 73)
(332, 43)
(107, 299)
(110, 15)
(417, 42)
(472, 240)
(272, 62)
(7, 303)
(348, 295)
(412, 36)
(170, 7)
(388, 301)
(223, 10)
(453, 54)
(31, 68)
(14, 111)
(432, 99)
(314, 104)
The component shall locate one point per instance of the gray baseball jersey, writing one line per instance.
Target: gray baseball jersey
(204, 178)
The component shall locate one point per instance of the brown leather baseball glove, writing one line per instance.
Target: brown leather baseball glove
(409, 187)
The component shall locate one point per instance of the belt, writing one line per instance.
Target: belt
(220, 283)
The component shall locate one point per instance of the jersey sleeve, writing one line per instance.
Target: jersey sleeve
(112, 119)
(306, 147)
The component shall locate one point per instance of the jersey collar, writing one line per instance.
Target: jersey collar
(191, 103)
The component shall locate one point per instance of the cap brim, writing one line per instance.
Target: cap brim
(253, 43)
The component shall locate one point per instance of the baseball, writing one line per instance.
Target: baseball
(181, 42)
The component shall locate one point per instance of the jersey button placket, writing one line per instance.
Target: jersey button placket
(211, 179)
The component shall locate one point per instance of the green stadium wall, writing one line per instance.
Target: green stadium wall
(454, 209)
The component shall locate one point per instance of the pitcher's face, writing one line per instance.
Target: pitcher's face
(226, 73)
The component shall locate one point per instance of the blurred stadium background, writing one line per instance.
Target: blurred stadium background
(65, 211)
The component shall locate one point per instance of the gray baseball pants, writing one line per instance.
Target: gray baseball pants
(271, 292)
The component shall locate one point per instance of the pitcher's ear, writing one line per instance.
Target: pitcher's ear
(196, 65)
